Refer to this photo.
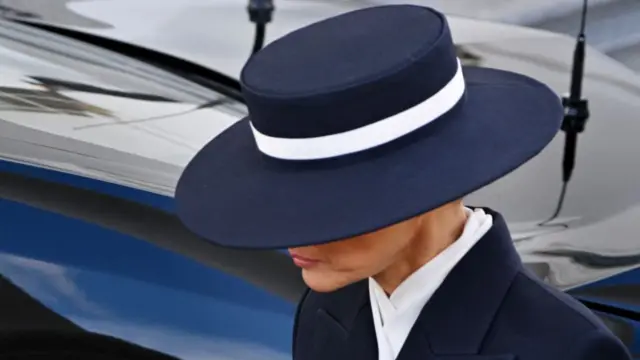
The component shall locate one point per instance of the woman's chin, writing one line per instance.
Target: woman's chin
(322, 282)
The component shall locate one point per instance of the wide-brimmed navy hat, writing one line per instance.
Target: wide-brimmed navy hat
(356, 123)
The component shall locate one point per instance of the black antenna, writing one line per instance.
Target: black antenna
(576, 112)
(260, 13)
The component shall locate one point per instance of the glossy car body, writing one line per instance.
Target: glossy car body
(94, 134)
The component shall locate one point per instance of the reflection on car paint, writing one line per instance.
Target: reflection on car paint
(117, 285)
(586, 254)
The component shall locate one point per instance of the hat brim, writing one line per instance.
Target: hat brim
(231, 196)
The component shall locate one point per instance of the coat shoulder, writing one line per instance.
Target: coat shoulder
(554, 325)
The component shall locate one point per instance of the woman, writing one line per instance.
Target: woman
(364, 134)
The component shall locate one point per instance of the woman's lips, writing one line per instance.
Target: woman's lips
(303, 262)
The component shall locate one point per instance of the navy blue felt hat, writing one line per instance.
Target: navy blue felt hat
(358, 122)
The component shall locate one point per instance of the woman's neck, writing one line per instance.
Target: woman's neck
(437, 230)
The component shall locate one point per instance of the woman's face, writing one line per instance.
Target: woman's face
(334, 265)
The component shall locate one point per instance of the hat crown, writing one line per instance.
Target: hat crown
(349, 71)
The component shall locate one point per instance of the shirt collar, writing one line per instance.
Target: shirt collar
(417, 289)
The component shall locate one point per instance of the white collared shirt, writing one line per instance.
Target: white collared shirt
(394, 316)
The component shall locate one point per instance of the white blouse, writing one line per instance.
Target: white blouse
(394, 316)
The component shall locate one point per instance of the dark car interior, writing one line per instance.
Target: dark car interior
(31, 331)
(71, 345)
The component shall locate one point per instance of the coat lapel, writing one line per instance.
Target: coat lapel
(455, 321)
(345, 324)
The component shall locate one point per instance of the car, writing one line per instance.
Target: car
(97, 123)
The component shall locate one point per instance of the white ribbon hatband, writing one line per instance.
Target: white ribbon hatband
(368, 136)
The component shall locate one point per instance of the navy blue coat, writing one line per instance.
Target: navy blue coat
(488, 308)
